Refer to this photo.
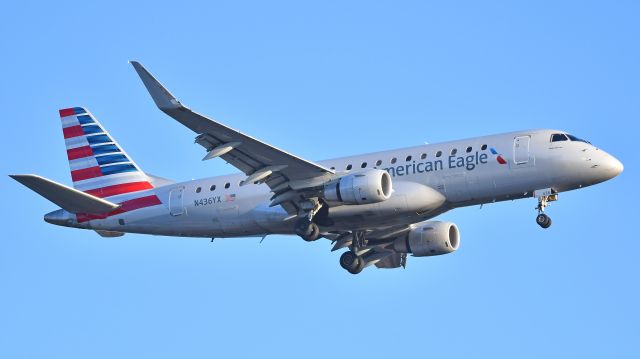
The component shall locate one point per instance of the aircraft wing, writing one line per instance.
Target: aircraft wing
(261, 162)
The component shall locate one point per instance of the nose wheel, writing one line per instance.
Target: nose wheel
(543, 220)
(544, 198)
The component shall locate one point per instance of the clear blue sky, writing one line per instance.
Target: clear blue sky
(322, 80)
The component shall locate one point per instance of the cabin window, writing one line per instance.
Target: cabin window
(408, 158)
(484, 147)
(439, 153)
(469, 149)
(363, 165)
(454, 151)
(227, 185)
(212, 188)
(394, 160)
(349, 167)
(378, 162)
(557, 137)
(423, 156)
(198, 189)
(333, 168)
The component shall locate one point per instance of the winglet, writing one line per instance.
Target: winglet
(160, 95)
(67, 198)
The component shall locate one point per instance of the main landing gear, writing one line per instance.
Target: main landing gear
(305, 227)
(351, 262)
(544, 198)
(352, 259)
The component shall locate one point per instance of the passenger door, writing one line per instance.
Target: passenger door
(521, 149)
(176, 201)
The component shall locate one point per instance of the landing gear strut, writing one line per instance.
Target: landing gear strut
(544, 198)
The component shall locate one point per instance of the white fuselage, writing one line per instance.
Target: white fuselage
(464, 172)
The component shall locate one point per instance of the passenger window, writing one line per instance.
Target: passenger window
(557, 137)
(408, 158)
(363, 165)
(198, 189)
(439, 153)
(227, 185)
(454, 151)
(212, 188)
(378, 162)
(484, 147)
(349, 167)
(423, 156)
(469, 149)
(394, 160)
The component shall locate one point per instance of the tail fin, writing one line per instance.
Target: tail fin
(98, 164)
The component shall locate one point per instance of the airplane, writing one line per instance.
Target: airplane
(380, 206)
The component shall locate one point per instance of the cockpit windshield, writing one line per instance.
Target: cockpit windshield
(557, 137)
(574, 138)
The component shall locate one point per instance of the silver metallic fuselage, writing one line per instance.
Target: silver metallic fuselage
(423, 188)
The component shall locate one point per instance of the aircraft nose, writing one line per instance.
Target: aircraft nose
(611, 167)
(614, 166)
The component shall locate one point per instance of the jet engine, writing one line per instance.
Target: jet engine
(429, 239)
(370, 186)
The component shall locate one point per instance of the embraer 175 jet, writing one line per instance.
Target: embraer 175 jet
(378, 206)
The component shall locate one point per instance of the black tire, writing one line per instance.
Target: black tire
(351, 262)
(314, 235)
(543, 220)
(303, 228)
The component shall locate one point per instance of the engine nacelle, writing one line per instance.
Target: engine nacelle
(370, 186)
(429, 239)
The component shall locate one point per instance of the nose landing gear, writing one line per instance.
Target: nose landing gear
(544, 197)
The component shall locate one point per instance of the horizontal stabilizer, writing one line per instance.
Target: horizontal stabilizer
(67, 198)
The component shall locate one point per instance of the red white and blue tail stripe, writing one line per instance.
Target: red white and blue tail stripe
(98, 164)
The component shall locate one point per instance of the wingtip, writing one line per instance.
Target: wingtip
(160, 95)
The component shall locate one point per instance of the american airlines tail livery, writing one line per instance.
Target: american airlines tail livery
(379, 206)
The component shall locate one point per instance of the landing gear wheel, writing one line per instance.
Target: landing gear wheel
(543, 220)
(351, 262)
(309, 231)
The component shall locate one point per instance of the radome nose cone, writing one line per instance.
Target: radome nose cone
(612, 167)
(617, 166)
